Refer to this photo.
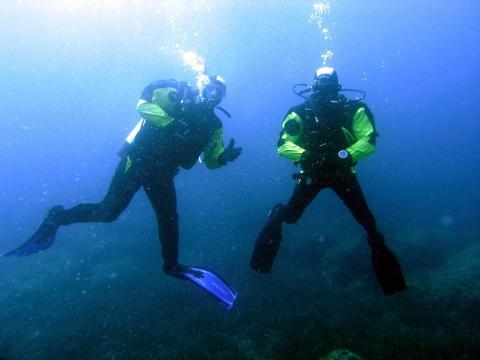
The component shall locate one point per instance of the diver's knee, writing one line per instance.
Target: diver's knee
(287, 215)
(109, 216)
(109, 211)
(291, 219)
(279, 213)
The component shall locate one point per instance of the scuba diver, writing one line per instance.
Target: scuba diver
(327, 135)
(177, 124)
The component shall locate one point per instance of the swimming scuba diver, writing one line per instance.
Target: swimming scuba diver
(177, 124)
(327, 135)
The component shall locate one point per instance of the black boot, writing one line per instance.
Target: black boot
(179, 271)
(48, 229)
(54, 216)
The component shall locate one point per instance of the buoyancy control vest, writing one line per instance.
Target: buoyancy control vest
(329, 128)
(179, 143)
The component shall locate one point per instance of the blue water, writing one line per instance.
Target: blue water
(70, 76)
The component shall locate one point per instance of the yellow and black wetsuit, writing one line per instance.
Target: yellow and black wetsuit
(328, 138)
(328, 129)
(167, 137)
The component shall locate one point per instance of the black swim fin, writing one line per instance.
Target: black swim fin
(268, 242)
(42, 238)
(387, 269)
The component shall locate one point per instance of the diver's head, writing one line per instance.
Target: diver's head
(212, 90)
(325, 86)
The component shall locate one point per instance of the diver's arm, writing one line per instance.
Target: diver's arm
(364, 134)
(290, 150)
(288, 144)
(154, 113)
(216, 155)
(213, 150)
(150, 111)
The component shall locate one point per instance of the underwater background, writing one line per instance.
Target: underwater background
(70, 75)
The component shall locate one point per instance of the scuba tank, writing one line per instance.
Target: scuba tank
(127, 144)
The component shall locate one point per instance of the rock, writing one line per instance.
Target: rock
(341, 354)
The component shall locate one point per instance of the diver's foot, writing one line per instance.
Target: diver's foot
(53, 215)
(48, 228)
(44, 237)
(173, 270)
(179, 271)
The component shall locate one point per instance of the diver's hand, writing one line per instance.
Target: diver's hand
(337, 160)
(230, 153)
(313, 162)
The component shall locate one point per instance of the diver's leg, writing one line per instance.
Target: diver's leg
(385, 264)
(348, 190)
(122, 188)
(302, 196)
(270, 236)
(162, 195)
(124, 185)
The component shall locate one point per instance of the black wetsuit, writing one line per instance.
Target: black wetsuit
(346, 187)
(328, 140)
(151, 162)
(322, 133)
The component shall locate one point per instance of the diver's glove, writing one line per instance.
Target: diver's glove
(230, 153)
(311, 162)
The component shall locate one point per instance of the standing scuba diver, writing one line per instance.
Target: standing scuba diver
(327, 135)
(177, 124)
